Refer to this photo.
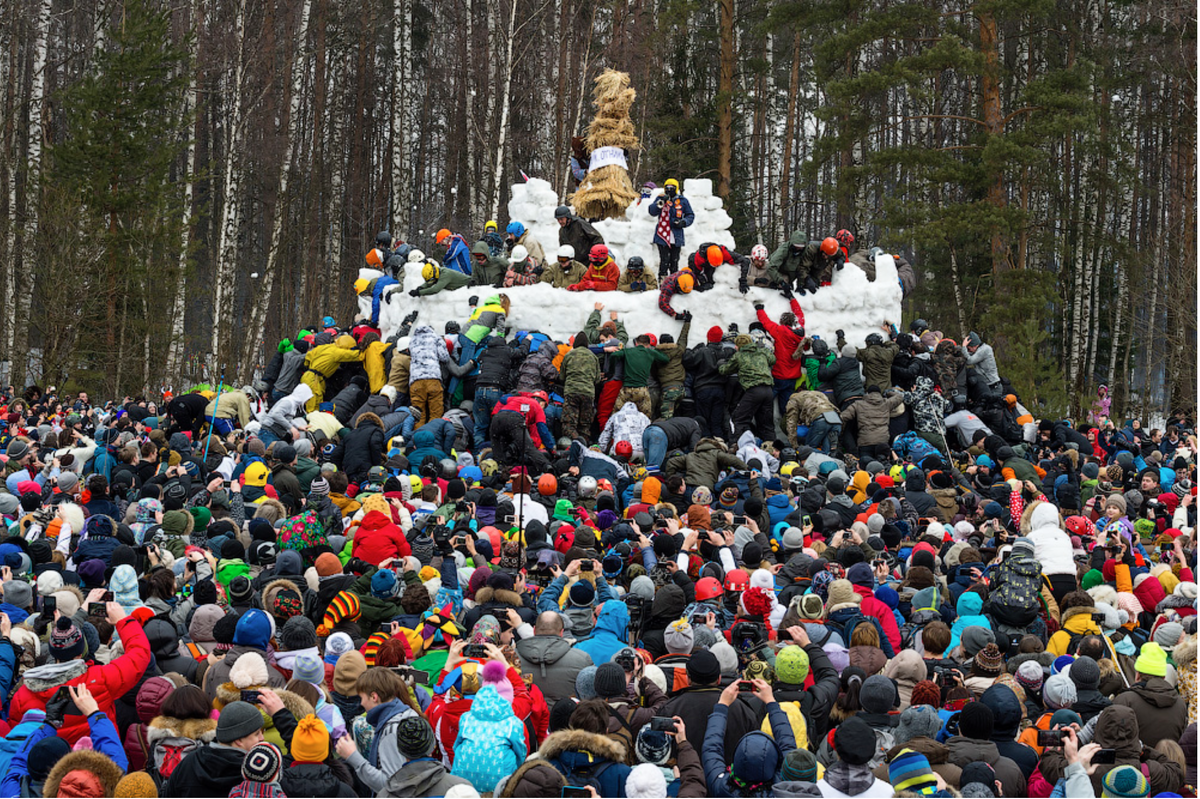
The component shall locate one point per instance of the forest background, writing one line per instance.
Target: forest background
(184, 182)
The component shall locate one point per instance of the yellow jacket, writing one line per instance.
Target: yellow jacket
(326, 358)
(373, 363)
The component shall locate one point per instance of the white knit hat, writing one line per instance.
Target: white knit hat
(645, 781)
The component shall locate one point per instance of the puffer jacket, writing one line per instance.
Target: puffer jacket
(428, 352)
(491, 741)
(346, 401)
(537, 372)
(484, 319)
(877, 364)
(788, 351)
(970, 614)
(703, 465)
(873, 413)
(491, 271)
(1007, 714)
(1051, 545)
(756, 760)
(843, 376)
(498, 360)
(379, 538)
(377, 404)
(1076, 623)
(586, 758)
(363, 448)
(313, 779)
(609, 636)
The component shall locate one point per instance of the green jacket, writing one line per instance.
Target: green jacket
(811, 364)
(560, 278)
(307, 470)
(581, 372)
(877, 364)
(592, 328)
(704, 464)
(752, 364)
(784, 264)
(449, 279)
(639, 361)
(672, 372)
(375, 611)
(491, 273)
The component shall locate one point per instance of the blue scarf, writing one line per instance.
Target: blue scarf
(377, 717)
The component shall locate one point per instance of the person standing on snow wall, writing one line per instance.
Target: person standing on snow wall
(674, 213)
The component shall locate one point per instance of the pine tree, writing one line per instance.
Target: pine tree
(126, 127)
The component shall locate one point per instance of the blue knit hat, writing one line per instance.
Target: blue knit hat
(383, 584)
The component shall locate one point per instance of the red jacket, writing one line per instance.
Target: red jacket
(533, 413)
(107, 683)
(787, 365)
(602, 278)
(378, 538)
(878, 609)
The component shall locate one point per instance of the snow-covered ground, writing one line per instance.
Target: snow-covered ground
(851, 303)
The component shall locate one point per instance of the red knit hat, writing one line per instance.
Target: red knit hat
(926, 692)
(714, 334)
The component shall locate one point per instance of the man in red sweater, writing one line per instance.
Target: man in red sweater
(788, 335)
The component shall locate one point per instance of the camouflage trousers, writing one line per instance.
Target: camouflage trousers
(671, 395)
(577, 413)
(639, 397)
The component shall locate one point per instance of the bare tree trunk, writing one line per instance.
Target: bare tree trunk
(179, 306)
(227, 246)
(258, 315)
(725, 101)
(506, 73)
(401, 94)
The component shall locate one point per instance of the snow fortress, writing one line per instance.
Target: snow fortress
(851, 303)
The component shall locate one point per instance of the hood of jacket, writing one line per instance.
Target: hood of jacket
(161, 727)
(1117, 728)
(204, 620)
(668, 602)
(1157, 692)
(301, 394)
(969, 604)
(46, 679)
(151, 696)
(374, 521)
(564, 743)
(967, 750)
(490, 706)
(1006, 712)
(543, 650)
(105, 769)
(1079, 620)
(614, 619)
(756, 758)
(423, 438)
(164, 641)
(419, 778)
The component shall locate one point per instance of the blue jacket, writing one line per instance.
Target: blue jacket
(104, 740)
(425, 444)
(611, 633)
(458, 258)
(755, 761)
(377, 295)
(778, 508)
(491, 741)
(678, 223)
(970, 614)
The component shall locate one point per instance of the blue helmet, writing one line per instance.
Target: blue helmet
(515, 228)
(328, 322)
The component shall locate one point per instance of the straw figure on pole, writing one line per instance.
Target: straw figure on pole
(607, 190)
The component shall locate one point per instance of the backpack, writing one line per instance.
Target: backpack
(851, 623)
(626, 735)
(582, 778)
(911, 446)
(169, 752)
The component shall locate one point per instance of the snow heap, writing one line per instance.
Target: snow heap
(851, 303)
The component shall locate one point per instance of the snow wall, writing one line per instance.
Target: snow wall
(851, 303)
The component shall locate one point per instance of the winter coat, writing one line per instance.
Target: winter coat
(537, 372)
(682, 432)
(554, 663)
(346, 401)
(679, 216)
(970, 614)
(444, 279)
(752, 364)
(983, 361)
(106, 682)
(208, 771)
(972, 750)
(424, 777)
(873, 413)
(627, 424)
(498, 360)
(491, 271)
(363, 448)
(1007, 714)
(289, 371)
(580, 372)
(164, 733)
(609, 636)
(877, 364)
(756, 758)
(1161, 711)
(1117, 728)
(586, 758)
(164, 644)
(580, 235)
(817, 700)
(491, 741)
(785, 263)
(519, 274)
(630, 283)
(377, 404)
(697, 704)
(218, 674)
(951, 368)
(928, 407)
(599, 277)
(788, 355)
(313, 779)
(672, 372)
(560, 276)
(428, 352)
(703, 465)
(379, 538)
(843, 377)
(1076, 623)
(485, 319)
(1051, 545)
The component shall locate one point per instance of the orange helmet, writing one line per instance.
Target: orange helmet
(686, 283)
(715, 255)
(374, 257)
(829, 246)
(547, 485)
(442, 235)
(844, 237)
(708, 588)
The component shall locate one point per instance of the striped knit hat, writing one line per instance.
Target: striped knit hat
(345, 605)
(1125, 781)
(909, 771)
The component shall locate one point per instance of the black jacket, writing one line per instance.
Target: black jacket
(313, 779)
(695, 705)
(498, 362)
(581, 235)
(815, 702)
(683, 432)
(361, 449)
(702, 362)
(843, 376)
(208, 771)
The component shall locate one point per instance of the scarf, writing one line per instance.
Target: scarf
(377, 717)
(663, 229)
(849, 779)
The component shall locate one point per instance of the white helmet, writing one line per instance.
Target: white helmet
(415, 256)
(566, 251)
(519, 254)
(759, 253)
(587, 486)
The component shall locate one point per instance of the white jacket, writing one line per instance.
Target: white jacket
(1051, 545)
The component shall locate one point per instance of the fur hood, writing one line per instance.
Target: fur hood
(272, 590)
(579, 740)
(505, 597)
(227, 692)
(52, 675)
(1184, 653)
(369, 418)
(1103, 593)
(72, 514)
(1071, 613)
(549, 773)
(102, 766)
(162, 727)
(1044, 659)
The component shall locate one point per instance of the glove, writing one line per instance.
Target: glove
(285, 345)
(758, 306)
(412, 317)
(743, 286)
(811, 285)
(59, 706)
(840, 333)
(799, 291)
(685, 317)
(733, 327)
(473, 300)
(387, 298)
(537, 270)
(787, 293)
(414, 293)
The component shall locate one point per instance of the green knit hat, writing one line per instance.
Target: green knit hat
(1092, 579)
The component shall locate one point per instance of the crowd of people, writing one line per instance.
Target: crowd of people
(486, 562)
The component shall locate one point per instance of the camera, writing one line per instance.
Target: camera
(748, 637)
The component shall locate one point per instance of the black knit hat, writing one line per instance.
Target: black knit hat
(609, 681)
(66, 641)
(976, 721)
(263, 763)
(205, 593)
(414, 737)
(224, 629)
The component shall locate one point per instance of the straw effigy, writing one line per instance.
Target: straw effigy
(607, 191)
